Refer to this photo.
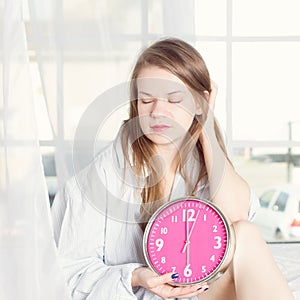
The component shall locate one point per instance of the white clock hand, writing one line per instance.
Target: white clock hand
(186, 233)
(190, 233)
(187, 242)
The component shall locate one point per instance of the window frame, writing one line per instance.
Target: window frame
(145, 37)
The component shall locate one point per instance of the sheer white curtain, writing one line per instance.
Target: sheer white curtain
(81, 48)
(85, 47)
(28, 262)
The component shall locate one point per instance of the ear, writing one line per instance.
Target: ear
(198, 104)
(206, 94)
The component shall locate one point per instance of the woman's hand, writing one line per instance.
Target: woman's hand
(227, 189)
(160, 285)
(208, 134)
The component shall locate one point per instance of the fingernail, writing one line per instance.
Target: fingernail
(199, 288)
(206, 289)
(175, 275)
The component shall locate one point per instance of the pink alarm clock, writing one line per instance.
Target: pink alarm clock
(191, 237)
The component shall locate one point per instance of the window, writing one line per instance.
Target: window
(281, 202)
(266, 198)
(256, 65)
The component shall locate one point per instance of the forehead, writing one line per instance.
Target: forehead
(156, 81)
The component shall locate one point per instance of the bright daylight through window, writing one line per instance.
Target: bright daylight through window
(255, 64)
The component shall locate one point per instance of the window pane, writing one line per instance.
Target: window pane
(178, 17)
(1, 103)
(295, 130)
(265, 90)
(44, 127)
(155, 16)
(210, 17)
(125, 16)
(265, 18)
(104, 17)
(86, 78)
(214, 55)
(276, 182)
(263, 168)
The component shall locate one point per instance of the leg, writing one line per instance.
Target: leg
(256, 274)
(252, 274)
(222, 289)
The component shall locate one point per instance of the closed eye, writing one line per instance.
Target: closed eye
(175, 99)
(146, 100)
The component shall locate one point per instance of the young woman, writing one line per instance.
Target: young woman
(169, 147)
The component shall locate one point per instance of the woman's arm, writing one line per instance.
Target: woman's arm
(83, 241)
(81, 252)
(227, 188)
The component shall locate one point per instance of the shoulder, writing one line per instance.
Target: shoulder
(92, 178)
(107, 172)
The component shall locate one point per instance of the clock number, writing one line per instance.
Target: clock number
(218, 241)
(164, 230)
(189, 214)
(173, 269)
(215, 228)
(203, 269)
(163, 260)
(187, 271)
(174, 219)
(212, 258)
(204, 217)
(159, 243)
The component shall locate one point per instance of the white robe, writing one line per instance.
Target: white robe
(98, 237)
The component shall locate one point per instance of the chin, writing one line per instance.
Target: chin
(162, 140)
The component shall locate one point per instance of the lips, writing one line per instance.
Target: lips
(159, 127)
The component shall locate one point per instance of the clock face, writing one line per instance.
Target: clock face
(188, 236)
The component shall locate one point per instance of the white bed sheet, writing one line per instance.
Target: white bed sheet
(287, 256)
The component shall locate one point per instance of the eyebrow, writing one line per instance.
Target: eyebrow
(170, 93)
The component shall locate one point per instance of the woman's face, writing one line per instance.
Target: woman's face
(166, 107)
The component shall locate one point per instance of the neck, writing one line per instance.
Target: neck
(169, 154)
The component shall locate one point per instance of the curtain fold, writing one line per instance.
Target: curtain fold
(28, 261)
(81, 48)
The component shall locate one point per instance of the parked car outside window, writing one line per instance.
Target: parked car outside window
(279, 214)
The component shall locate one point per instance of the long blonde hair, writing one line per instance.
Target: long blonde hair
(185, 62)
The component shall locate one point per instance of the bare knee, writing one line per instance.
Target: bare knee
(252, 263)
(246, 232)
(248, 241)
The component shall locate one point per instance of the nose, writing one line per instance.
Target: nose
(158, 108)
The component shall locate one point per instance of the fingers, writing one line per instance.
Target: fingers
(163, 285)
(186, 291)
(166, 278)
(152, 280)
(172, 291)
(200, 290)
